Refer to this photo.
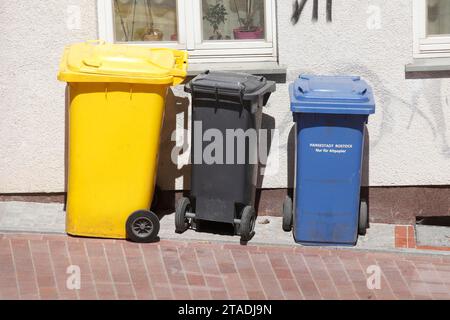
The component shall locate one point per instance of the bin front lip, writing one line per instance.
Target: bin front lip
(296, 108)
(72, 77)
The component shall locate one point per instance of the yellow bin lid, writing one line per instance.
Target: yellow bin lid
(98, 61)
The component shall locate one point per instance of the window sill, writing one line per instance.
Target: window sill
(271, 70)
(428, 65)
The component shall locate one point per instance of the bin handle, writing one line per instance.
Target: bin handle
(242, 88)
(301, 89)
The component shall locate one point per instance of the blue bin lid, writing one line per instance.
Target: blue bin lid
(331, 94)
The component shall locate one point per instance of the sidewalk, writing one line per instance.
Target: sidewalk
(35, 254)
(50, 218)
(35, 267)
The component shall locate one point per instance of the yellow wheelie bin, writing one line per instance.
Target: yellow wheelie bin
(116, 97)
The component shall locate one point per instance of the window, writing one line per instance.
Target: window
(211, 30)
(431, 28)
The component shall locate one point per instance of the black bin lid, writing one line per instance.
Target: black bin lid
(246, 86)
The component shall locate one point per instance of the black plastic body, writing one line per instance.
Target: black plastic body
(226, 102)
(220, 191)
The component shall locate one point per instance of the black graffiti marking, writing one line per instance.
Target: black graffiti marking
(298, 9)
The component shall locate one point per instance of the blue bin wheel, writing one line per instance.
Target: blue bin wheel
(247, 225)
(288, 215)
(363, 218)
(182, 223)
(142, 227)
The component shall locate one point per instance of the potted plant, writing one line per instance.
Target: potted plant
(247, 29)
(151, 34)
(216, 15)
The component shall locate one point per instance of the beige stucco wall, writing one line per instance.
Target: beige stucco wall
(409, 135)
(33, 36)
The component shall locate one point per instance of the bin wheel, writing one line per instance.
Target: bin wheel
(181, 222)
(288, 214)
(156, 197)
(142, 227)
(363, 218)
(248, 222)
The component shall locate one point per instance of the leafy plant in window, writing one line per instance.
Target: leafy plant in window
(216, 14)
(247, 29)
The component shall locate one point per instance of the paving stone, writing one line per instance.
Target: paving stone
(433, 236)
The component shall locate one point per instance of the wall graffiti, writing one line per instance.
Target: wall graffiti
(428, 103)
(300, 6)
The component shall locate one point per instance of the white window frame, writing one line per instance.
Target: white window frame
(202, 51)
(425, 46)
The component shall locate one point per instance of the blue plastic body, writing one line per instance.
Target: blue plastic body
(330, 115)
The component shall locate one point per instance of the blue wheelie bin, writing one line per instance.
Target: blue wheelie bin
(330, 113)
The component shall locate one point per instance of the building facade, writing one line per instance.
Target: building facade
(401, 48)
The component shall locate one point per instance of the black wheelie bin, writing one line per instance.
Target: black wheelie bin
(226, 120)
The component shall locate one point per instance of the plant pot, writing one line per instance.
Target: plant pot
(241, 34)
(153, 35)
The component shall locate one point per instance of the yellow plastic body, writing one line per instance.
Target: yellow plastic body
(114, 138)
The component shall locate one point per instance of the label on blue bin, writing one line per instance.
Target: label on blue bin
(330, 148)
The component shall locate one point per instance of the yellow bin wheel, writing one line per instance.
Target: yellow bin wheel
(143, 227)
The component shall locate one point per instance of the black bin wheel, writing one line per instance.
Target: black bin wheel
(248, 222)
(288, 214)
(181, 222)
(363, 223)
(142, 227)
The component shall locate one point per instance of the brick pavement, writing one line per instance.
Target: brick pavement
(35, 267)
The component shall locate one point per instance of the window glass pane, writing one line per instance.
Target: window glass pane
(233, 19)
(438, 17)
(145, 20)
